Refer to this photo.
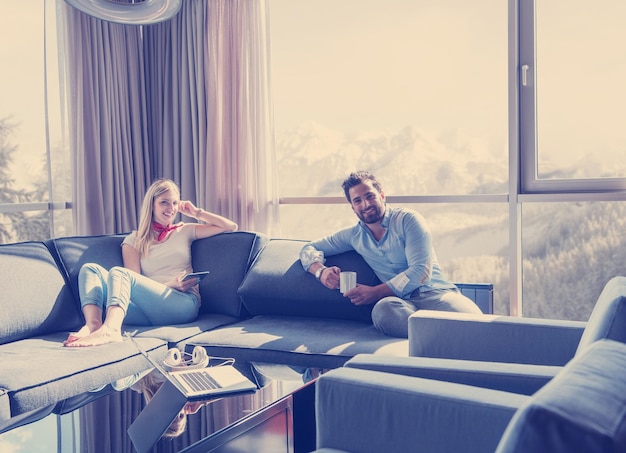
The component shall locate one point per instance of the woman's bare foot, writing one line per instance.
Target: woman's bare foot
(73, 336)
(103, 335)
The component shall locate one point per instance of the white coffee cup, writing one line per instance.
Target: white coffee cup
(347, 281)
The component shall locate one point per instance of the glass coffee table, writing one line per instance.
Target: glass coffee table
(278, 417)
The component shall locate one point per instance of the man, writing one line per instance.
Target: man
(396, 243)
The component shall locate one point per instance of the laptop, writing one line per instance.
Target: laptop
(197, 384)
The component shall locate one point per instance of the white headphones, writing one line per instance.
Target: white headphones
(175, 361)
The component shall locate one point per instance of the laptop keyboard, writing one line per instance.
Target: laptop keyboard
(200, 380)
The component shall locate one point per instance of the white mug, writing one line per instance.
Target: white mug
(347, 281)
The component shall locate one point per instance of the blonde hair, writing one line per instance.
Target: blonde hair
(144, 232)
(148, 386)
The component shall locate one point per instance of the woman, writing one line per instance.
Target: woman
(149, 289)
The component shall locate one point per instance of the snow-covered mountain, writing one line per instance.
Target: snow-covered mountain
(408, 161)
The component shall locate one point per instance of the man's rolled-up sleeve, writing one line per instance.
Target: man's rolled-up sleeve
(317, 251)
(309, 255)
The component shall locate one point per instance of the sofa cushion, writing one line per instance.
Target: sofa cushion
(228, 257)
(297, 341)
(177, 335)
(278, 285)
(73, 252)
(42, 372)
(583, 409)
(35, 298)
(608, 318)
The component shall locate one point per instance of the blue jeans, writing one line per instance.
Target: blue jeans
(145, 301)
(391, 314)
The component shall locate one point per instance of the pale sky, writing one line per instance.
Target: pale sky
(371, 64)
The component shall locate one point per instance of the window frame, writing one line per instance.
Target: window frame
(526, 69)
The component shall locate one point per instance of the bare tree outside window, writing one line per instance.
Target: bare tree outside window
(18, 226)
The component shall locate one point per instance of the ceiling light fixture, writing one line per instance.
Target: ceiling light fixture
(130, 12)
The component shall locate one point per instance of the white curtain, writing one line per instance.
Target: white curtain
(241, 168)
(187, 99)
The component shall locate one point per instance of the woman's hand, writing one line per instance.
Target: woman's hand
(187, 207)
(211, 223)
(180, 285)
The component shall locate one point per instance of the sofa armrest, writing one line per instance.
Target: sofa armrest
(367, 411)
(509, 377)
(608, 318)
(493, 338)
(583, 409)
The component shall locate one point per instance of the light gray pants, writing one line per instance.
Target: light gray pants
(391, 314)
(146, 302)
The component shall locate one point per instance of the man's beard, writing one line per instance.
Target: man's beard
(372, 216)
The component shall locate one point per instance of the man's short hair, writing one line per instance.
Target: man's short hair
(359, 177)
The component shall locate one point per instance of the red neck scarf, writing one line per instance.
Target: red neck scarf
(163, 229)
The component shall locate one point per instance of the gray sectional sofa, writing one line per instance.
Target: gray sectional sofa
(37, 310)
(257, 304)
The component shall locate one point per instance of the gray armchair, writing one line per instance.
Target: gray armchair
(583, 409)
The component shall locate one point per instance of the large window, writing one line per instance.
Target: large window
(415, 92)
(500, 121)
(30, 125)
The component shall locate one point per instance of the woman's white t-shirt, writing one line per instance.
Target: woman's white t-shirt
(169, 258)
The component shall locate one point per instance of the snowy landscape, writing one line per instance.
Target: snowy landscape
(570, 249)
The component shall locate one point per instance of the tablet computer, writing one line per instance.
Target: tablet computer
(199, 275)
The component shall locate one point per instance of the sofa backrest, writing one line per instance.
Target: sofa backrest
(228, 257)
(608, 318)
(34, 298)
(278, 285)
(583, 409)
